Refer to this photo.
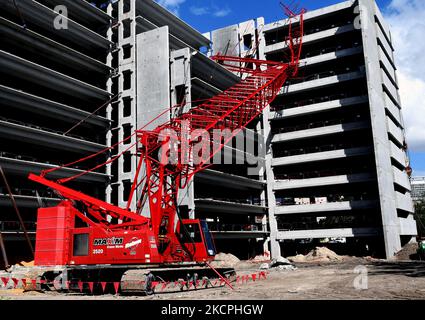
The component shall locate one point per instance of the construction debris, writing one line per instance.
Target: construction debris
(225, 260)
(408, 252)
(280, 261)
(319, 254)
(278, 264)
(264, 266)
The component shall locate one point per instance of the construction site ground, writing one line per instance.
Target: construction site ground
(335, 280)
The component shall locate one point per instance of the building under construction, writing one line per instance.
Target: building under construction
(329, 158)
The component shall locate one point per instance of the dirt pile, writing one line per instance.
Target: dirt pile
(319, 254)
(26, 264)
(408, 252)
(225, 260)
(260, 258)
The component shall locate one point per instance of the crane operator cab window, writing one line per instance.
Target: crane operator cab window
(193, 232)
(194, 235)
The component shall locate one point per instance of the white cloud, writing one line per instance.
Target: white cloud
(412, 91)
(172, 5)
(199, 11)
(214, 10)
(222, 12)
(407, 20)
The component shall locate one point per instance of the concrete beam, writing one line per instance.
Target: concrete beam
(23, 167)
(17, 235)
(404, 202)
(49, 49)
(43, 17)
(200, 87)
(408, 226)
(161, 17)
(387, 66)
(308, 62)
(218, 206)
(144, 25)
(227, 180)
(391, 89)
(212, 72)
(320, 83)
(323, 181)
(83, 11)
(398, 154)
(26, 201)
(327, 207)
(239, 156)
(401, 178)
(52, 80)
(47, 139)
(314, 14)
(382, 23)
(239, 234)
(385, 45)
(395, 131)
(329, 233)
(321, 156)
(318, 132)
(312, 38)
(11, 98)
(393, 109)
(318, 107)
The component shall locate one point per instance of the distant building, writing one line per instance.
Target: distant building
(418, 188)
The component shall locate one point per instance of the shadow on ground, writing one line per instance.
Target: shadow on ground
(410, 268)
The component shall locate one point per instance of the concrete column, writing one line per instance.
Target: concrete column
(108, 195)
(127, 88)
(390, 221)
(153, 81)
(180, 76)
(274, 244)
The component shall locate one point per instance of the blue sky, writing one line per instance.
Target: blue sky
(407, 20)
(205, 15)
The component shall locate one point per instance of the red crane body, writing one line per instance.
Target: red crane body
(83, 230)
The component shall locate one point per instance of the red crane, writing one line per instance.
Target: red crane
(83, 230)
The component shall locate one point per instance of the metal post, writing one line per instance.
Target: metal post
(3, 252)
(12, 198)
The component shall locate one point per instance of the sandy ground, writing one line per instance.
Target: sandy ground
(385, 280)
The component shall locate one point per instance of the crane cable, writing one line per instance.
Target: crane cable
(93, 113)
(24, 25)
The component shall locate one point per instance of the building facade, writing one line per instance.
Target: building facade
(52, 76)
(336, 152)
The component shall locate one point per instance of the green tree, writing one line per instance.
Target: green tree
(420, 216)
